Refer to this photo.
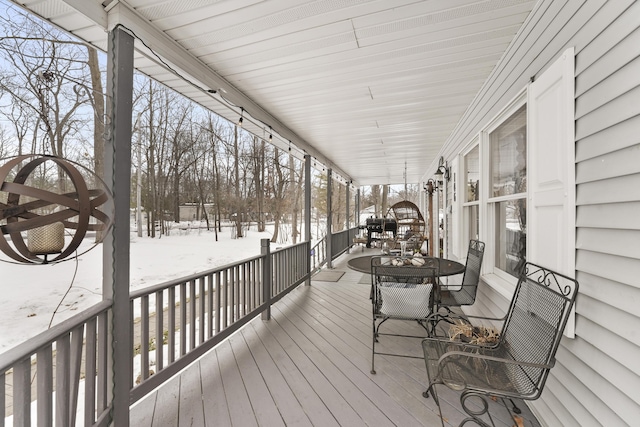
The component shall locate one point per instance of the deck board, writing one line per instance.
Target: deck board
(308, 399)
(166, 408)
(191, 411)
(240, 408)
(337, 368)
(335, 402)
(264, 407)
(356, 368)
(284, 398)
(308, 366)
(216, 411)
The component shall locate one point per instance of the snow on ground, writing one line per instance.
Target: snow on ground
(31, 293)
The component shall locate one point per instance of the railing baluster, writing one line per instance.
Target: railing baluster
(218, 302)
(172, 325)
(243, 284)
(159, 330)
(22, 393)
(192, 314)
(183, 318)
(144, 337)
(225, 285)
(132, 335)
(90, 373)
(202, 315)
(239, 297)
(3, 402)
(234, 295)
(63, 369)
(251, 303)
(210, 305)
(102, 369)
(44, 366)
(75, 356)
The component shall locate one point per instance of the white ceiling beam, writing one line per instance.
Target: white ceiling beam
(91, 9)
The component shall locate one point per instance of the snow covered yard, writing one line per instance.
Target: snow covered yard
(31, 293)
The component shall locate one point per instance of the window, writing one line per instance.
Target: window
(471, 195)
(508, 191)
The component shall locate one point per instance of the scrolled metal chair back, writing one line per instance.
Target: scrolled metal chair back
(537, 316)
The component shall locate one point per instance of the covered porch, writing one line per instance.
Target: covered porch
(309, 365)
(436, 83)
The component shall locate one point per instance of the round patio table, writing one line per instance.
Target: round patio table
(447, 266)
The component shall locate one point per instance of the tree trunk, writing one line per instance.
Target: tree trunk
(98, 127)
(293, 190)
(385, 193)
(260, 167)
(375, 198)
(152, 166)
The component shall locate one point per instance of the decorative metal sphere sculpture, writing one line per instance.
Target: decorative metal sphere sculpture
(44, 215)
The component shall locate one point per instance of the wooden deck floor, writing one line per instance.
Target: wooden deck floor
(307, 366)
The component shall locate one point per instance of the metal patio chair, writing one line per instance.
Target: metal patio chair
(402, 292)
(463, 294)
(517, 365)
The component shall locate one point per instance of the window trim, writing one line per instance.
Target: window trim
(463, 223)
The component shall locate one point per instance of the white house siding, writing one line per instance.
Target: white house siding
(596, 380)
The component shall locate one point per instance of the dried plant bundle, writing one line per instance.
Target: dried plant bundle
(466, 332)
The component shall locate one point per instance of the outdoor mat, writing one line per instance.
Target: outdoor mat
(365, 279)
(328, 276)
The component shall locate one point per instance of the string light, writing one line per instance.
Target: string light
(219, 91)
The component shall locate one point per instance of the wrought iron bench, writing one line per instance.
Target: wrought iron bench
(518, 364)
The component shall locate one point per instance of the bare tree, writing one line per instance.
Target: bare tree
(236, 175)
(295, 192)
(385, 193)
(96, 96)
(259, 173)
(44, 76)
(276, 187)
(338, 205)
(180, 143)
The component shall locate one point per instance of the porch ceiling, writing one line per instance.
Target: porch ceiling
(367, 87)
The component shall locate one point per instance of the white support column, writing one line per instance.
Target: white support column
(307, 207)
(329, 218)
(116, 244)
(357, 213)
(346, 221)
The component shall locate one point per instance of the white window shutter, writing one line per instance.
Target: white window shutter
(551, 208)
